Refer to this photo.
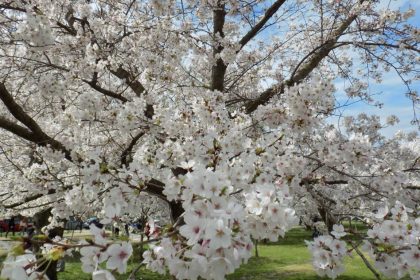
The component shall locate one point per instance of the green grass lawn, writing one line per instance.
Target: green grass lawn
(290, 259)
(287, 259)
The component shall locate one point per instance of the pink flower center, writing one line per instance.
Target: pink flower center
(220, 233)
(123, 255)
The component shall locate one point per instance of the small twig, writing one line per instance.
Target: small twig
(134, 272)
(367, 263)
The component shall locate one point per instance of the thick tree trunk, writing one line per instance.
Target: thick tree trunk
(256, 249)
(219, 69)
(327, 218)
(40, 221)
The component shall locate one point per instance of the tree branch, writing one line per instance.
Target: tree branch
(219, 69)
(303, 69)
(156, 188)
(7, 6)
(367, 263)
(131, 81)
(327, 182)
(17, 111)
(34, 133)
(125, 160)
(29, 199)
(94, 84)
(135, 86)
(257, 28)
(14, 128)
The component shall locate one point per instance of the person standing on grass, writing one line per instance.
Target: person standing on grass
(11, 226)
(79, 224)
(23, 225)
(127, 230)
(147, 231)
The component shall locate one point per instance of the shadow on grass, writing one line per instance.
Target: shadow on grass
(270, 275)
(267, 269)
(74, 258)
(286, 259)
(73, 271)
(296, 236)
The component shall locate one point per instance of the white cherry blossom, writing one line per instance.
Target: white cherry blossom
(118, 256)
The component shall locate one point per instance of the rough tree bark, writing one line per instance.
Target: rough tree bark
(40, 221)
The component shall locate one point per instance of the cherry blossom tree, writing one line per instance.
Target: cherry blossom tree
(219, 109)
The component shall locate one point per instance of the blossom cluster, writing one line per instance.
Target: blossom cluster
(328, 253)
(37, 30)
(183, 110)
(394, 242)
(23, 264)
(216, 235)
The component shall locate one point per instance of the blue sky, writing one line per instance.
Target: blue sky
(391, 92)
